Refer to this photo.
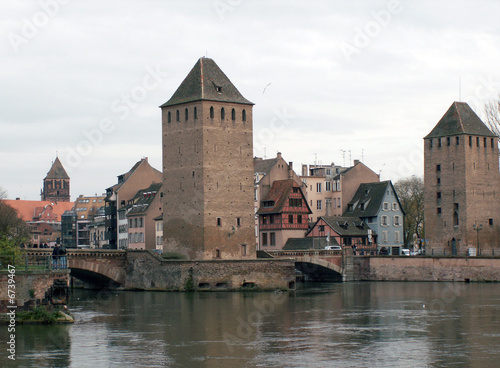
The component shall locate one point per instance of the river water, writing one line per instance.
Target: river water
(371, 324)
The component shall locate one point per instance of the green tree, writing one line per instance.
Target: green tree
(13, 232)
(411, 195)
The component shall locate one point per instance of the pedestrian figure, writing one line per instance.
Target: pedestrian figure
(62, 257)
(55, 256)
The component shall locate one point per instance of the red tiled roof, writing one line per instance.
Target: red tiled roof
(28, 210)
(279, 193)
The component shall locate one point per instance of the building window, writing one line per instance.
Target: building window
(492, 143)
(490, 222)
(299, 219)
(296, 190)
(386, 206)
(439, 142)
(395, 206)
(328, 186)
(211, 112)
(238, 221)
(439, 180)
(268, 204)
(217, 253)
(272, 239)
(290, 219)
(396, 237)
(448, 141)
(244, 115)
(385, 236)
(222, 114)
(233, 114)
(219, 221)
(318, 187)
(264, 239)
(186, 114)
(169, 117)
(438, 167)
(243, 249)
(470, 141)
(438, 210)
(319, 204)
(195, 113)
(177, 116)
(384, 221)
(477, 141)
(396, 221)
(264, 220)
(430, 143)
(295, 202)
(438, 195)
(457, 139)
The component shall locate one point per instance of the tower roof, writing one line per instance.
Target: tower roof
(460, 119)
(206, 81)
(57, 171)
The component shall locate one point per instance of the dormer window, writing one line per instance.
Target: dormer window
(218, 89)
(267, 204)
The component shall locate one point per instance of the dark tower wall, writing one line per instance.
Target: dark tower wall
(56, 184)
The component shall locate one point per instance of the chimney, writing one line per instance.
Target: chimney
(356, 162)
(290, 170)
(304, 170)
(278, 155)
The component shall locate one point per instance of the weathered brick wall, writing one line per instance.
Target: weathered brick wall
(29, 282)
(148, 272)
(426, 269)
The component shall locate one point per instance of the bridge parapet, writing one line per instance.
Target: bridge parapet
(304, 253)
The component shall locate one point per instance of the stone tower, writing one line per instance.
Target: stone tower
(208, 167)
(462, 183)
(56, 184)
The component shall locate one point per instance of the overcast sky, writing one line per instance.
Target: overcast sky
(370, 78)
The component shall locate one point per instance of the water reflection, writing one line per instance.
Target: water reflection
(328, 325)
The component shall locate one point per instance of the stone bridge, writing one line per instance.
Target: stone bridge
(320, 264)
(145, 270)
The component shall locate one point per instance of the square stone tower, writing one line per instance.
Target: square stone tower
(208, 167)
(56, 184)
(462, 183)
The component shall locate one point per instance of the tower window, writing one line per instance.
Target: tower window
(222, 114)
(195, 113)
(177, 116)
(219, 221)
(439, 142)
(430, 143)
(438, 195)
(186, 114)
(439, 180)
(448, 141)
(438, 167)
(457, 139)
(169, 117)
(438, 210)
(490, 222)
(233, 114)
(244, 117)
(211, 112)
(492, 145)
(470, 141)
(477, 141)
(484, 143)
(238, 221)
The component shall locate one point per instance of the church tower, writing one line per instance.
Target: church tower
(462, 184)
(208, 167)
(56, 184)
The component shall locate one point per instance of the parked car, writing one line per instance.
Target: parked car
(405, 252)
(333, 247)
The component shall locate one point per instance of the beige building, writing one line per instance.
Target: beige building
(141, 175)
(208, 167)
(461, 184)
(329, 189)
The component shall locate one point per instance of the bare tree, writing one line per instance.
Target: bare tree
(492, 110)
(411, 195)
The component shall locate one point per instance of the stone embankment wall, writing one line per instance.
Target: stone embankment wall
(31, 288)
(383, 268)
(146, 271)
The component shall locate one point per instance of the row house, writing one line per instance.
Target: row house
(141, 175)
(97, 230)
(159, 233)
(283, 214)
(266, 172)
(141, 213)
(330, 188)
(346, 232)
(43, 219)
(377, 205)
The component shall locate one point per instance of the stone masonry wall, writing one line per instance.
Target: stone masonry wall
(34, 283)
(426, 269)
(146, 271)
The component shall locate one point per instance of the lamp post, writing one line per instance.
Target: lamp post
(478, 228)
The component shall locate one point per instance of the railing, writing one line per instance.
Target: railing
(304, 253)
(36, 262)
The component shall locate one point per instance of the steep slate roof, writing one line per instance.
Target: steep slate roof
(206, 81)
(279, 194)
(460, 119)
(355, 226)
(369, 194)
(143, 199)
(308, 243)
(264, 166)
(57, 171)
(130, 172)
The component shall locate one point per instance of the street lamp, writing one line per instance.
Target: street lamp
(478, 228)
